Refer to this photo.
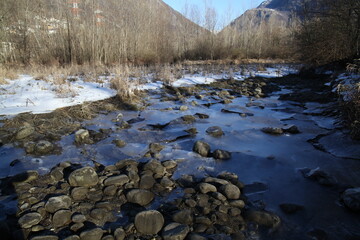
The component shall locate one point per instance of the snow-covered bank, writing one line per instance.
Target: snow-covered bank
(26, 94)
(345, 85)
(37, 96)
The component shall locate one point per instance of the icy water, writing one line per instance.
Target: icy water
(269, 165)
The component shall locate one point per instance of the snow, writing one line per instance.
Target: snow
(27, 94)
(37, 96)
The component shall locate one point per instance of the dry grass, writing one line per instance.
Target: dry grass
(122, 83)
(351, 112)
(7, 74)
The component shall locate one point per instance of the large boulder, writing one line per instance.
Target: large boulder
(351, 198)
(140, 196)
(83, 177)
(82, 136)
(221, 154)
(56, 203)
(149, 222)
(202, 148)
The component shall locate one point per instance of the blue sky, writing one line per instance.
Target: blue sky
(227, 10)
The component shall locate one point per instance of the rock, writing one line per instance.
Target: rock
(25, 177)
(43, 147)
(25, 131)
(188, 119)
(116, 180)
(186, 181)
(119, 143)
(202, 148)
(82, 136)
(184, 108)
(216, 180)
(45, 237)
(108, 237)
(170, 164)
(155, 148)
(238, 236)
(79, 193)
(30, 219)
(56, 203)
(175, 231)
(93, 234)
(184, 217)
(191, 131)
(155, 166)
(230, 191)
(61, 218)
(83, 177)
(292, 130)
(237, 203)
(221, 154)
(140, 196)
(149, 222)
(119, 234)
(126, 162)
(194, 236)
(72, 237)
(99, 214)
(219, 196)
(76, 227)
(166, 182)
(57, 174)
(78, 218)
(262, 218)
(215, 131)
(320, 176)
(351, 199)
(202, 115)
(206, 187)
(123, 124)
(290, 208)
(272, 130)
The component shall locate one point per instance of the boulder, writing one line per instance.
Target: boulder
(119, 234)
(93, 234)
(25, 131)
(215, 131)
(30, 219)
(79, 193)
(149, 222)
(78, 218)
(82, 136)
(206, 187)
(231, 191)
(119, 143)
(184, 217)
(44, 147)
(184, 108)
(221, 154)
(116, 180)
(61, 218)
(83, 177)
(202, 148)
(140, 196)
(175, 231)
(351, 199)
(56, 203)
(155, 148)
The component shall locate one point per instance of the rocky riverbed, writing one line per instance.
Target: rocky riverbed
(253, 159)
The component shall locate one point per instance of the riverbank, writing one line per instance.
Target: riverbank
(275, 136)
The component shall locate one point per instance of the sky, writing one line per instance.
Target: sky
(227, 10)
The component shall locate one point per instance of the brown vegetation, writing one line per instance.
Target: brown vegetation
(330, 31)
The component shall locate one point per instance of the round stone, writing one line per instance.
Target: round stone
(206, 187)
(116, 180)
(29, 220)
(215, 131)
(56, 203)
(149, 222)
(83, 177)
(140, 196)
(61, 218)
(202, 148)
(175, 231)
(230, 191)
